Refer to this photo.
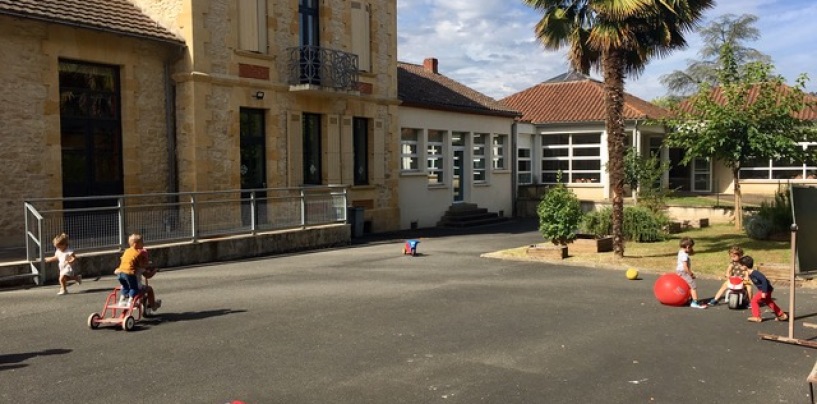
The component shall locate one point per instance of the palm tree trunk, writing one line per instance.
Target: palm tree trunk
(614, 104)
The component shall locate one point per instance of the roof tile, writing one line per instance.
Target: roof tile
(420, 87)
(119, 16)
(575, 99)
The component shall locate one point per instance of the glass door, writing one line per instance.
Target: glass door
(458, 147)
(309, 41)
(701, 175)
(253, 165)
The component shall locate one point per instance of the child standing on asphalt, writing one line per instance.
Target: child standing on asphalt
(764, 292)
(66, 261)
(684, 269)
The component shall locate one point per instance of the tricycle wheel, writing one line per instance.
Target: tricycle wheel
(93, 321)
(127, 323)
(734, 301)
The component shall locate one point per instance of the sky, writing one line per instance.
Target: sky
(490, 46)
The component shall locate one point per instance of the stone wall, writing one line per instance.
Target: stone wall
(30, 139)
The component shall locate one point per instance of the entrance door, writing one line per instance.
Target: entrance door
(701, 175)
(253, 165)
(457, 182)
(679, 175)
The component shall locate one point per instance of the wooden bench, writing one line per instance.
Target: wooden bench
(811, 379)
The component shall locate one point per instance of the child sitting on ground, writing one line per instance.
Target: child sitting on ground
(764, 292)
(733, 269)
(66, 262)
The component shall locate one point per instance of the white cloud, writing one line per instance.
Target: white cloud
(490, 46)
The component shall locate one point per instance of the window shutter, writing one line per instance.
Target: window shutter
(361, 40)
(252, 25)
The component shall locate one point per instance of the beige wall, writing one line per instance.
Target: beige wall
(29, 111)
(426, 204)
(211, 89)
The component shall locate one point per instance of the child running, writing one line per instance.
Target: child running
(66, 262)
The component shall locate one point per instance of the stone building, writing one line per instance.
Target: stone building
(106, 97)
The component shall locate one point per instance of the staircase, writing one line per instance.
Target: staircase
(468, 215)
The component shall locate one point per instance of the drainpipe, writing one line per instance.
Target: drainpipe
(514, 174)
(170, 130)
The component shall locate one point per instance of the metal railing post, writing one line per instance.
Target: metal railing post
(120, 212)
(41, 269)
(193, 226)
(303, 208)
(252, 213)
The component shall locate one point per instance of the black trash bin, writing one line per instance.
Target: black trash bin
(354, 217)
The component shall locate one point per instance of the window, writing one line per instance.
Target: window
(478, 157)
(435, 159)
(499, 143)
(524, 167)
(360, 140)
(361, 35)
(780, 169)
(90, 130)
(309, 38)
(577, 156)
(252, 25)
(409, 158)
(312, 149)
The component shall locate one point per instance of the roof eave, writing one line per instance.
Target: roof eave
(178, 42)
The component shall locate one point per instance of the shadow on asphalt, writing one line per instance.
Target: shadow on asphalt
(12, 361)
(191, 315)
(513, 226)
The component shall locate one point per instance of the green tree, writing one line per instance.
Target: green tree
(749, 117)
(617, 37)
(728, 29)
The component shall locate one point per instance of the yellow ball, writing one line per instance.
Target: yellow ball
(632, 274)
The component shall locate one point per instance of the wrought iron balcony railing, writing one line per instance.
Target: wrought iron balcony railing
(323, 67)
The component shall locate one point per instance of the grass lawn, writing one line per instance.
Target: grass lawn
(710, 259)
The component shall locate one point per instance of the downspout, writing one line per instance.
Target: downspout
(514, 174)
(170, 131)
(170, 121)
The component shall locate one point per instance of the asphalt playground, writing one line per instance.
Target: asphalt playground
(367, 324)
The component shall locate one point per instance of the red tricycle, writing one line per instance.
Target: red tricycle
(114, 313)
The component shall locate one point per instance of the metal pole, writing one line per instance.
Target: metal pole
(303, 208)
(791, 278)
(193, 230)
(121, 222)
(252, 212)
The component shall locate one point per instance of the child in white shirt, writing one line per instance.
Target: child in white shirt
(66, 259)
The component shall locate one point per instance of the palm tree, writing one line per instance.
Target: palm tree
(617, 37)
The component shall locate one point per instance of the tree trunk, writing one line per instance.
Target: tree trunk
(614, 124)
(738, 200)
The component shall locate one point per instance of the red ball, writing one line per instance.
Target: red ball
(672, 290)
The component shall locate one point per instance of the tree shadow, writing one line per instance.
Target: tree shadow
(13, 361)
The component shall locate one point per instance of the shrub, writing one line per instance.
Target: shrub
(643, 225)
(758, 227)
(559, 214)
(778, 213)
(597, 222)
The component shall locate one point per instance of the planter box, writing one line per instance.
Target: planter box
(589, 243)
(547, 251)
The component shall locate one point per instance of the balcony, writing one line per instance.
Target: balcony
(316, 69)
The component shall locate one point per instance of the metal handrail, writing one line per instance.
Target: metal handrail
(203, 214)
